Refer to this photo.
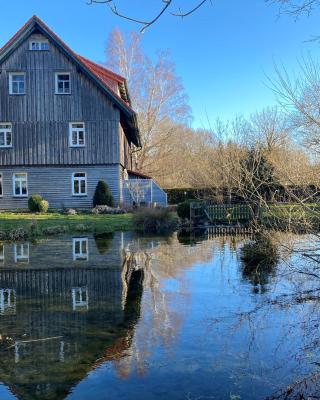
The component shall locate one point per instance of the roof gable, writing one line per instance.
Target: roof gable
(113, 85)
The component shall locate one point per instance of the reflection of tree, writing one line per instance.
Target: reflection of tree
(259, 259)
(162, 315)
(103, 241)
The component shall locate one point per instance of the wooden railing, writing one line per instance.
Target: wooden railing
(229, 214)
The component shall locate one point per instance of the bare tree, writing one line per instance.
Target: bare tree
(158, 97)
(270, 128)
(299, 97)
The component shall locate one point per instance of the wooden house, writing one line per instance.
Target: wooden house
(65, 123)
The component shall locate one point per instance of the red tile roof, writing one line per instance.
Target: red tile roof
(106, 76)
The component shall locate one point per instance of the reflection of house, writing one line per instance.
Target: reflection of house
(65, 252)
(80, 249)
(59, 318)
(21, 252)
(7, 301)
(80, 298)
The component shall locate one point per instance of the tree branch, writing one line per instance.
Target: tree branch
(146, 24)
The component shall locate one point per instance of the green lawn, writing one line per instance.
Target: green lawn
(85, 222)
(307, 211)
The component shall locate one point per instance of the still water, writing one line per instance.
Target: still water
(123, 317)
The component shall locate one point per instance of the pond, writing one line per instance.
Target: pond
(124, 317)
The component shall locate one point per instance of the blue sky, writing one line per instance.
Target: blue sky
(222, 53)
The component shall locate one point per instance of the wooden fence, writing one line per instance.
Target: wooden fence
(228, 214)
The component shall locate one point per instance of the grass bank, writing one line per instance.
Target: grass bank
(29, 224)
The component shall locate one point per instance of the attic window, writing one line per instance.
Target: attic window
(38, 45)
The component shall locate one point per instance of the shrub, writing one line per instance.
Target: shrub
(155, 220)
(37, 204)
(44, 206)
(106, 210)
(103, 195)
(260, 252)
(183, 209)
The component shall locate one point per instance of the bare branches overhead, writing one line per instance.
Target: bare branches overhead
(164, 7)
(297, 7)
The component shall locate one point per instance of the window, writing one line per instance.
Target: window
(17, 82)
(1, 185)
(80, 299)
(79, 184)
(20, 185)
(5, 135)
(38, 45)
(63, 83)
(80, 249)
(21, 253)
(77, 134)
(7, 301)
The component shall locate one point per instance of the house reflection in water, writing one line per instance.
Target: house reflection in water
(61, 314)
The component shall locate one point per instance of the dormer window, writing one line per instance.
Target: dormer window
(17, 82)
(38, 45)
(63, 83)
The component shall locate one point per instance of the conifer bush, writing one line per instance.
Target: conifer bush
(103, 195)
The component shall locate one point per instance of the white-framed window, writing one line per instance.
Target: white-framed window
(77, 134)
(5, 134)
(21, 253)
(20, 184)
(1, 184)
(7, 301)
(79, 184)
(80, 249)
(63, 82)
(17, 83)
(39, 45)
(80, 298)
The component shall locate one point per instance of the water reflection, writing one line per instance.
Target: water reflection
(60, 318)
(119, 316)
(259, 257)
(80, 249)
(21, 253)
(103, 242)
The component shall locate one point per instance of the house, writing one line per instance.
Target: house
(65, 123)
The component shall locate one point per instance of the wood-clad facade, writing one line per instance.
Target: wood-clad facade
(40, 121)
